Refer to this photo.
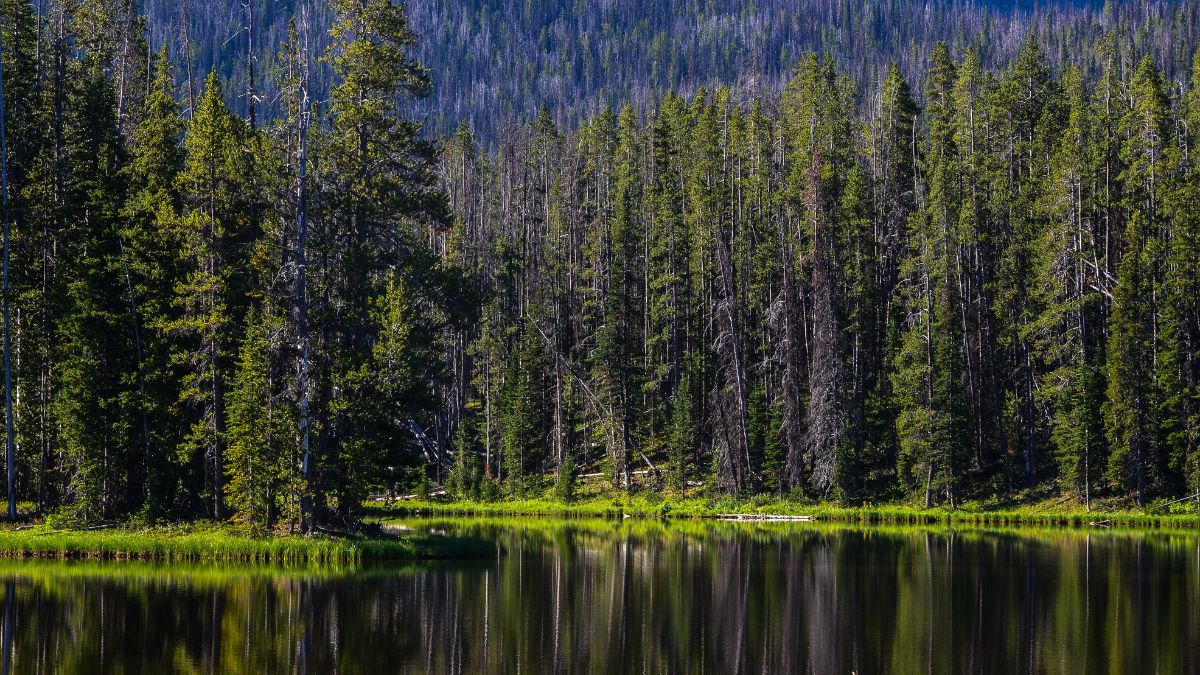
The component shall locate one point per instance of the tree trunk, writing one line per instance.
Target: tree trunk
(10, 437)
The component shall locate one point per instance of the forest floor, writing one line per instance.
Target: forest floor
(206, 542)
(605, 502)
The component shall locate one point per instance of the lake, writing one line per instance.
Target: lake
(638, 597)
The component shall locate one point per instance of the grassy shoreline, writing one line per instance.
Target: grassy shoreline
(224, 544)
(894, 514)
(194, 543)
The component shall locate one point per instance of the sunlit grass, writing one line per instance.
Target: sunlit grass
(219, 543)
(655, 505)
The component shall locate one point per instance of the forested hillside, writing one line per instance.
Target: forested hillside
(971, 274)
(496, 61)
(843, 293)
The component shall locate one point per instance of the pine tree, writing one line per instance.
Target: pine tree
(258, 461)
(524, 413)
(1134, 388)
(666, 269)
(377, 193)
(682, 441)
(213, 234)
(466, 475)
(385, 397)
(1026, 93)
(31, 207)
(618, 338)
(151, 270)
(894, 153)
(1067, 334)
(928, 371)
(1179, 362)
(94, 361)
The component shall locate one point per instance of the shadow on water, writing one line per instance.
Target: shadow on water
(638, 596)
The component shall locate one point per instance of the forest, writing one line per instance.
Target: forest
(496, 61)
(973, 274)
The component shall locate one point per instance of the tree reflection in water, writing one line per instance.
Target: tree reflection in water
(607, 597)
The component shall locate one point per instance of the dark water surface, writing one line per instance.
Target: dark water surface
(639, 597)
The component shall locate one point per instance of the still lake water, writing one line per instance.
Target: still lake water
(638, 597)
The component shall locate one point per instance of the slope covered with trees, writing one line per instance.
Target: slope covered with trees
(493, 61)
(972, 274)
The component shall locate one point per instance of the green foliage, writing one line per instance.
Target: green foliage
(466, 477)
(682, 440)
(183, 544)
(260, 455)
(1131, 410)
(93, 355)
(523, 413)
(834, 293)
(565, 480)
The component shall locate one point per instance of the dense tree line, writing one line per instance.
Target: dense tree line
(212, 315)
(493, 61)
(850, 291)
(861, 288)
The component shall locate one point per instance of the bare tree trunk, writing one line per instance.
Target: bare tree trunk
(826, 417)
(185, 32)
(301, 291)
(733, 451)
(10, 436)
(793, 369)
(121, 71)
(250, 117)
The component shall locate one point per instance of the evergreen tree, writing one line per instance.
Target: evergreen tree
(1134, 388)
(377, 192)
(1026, 95)
(261, 475)
(524, 413)
(94, 362)
(1067, 332)
(151, 269)
(830, 292)
(213, 234)
(618, 337)
(466, 475)
(927, 376)
(682, 441)
(1180, 364)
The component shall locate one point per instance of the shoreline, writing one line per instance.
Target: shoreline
(783, 510)
(214, 543)
(217, 543)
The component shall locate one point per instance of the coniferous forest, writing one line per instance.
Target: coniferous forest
(968, 272)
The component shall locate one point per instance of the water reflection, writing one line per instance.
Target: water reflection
(639, 597)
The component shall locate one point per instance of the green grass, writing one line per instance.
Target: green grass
(654, 506)
(219, 543)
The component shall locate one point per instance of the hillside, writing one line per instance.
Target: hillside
(493, 61)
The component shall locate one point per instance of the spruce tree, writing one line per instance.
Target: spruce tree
(94, 360)
(524, 413)
(1067, 334)
(213, 235)
(1026, 93)
(618, 338)
(258, 464)
(151, 269)
(1134, 390)
(928, 371)
(1183, 284)
(376, 193)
